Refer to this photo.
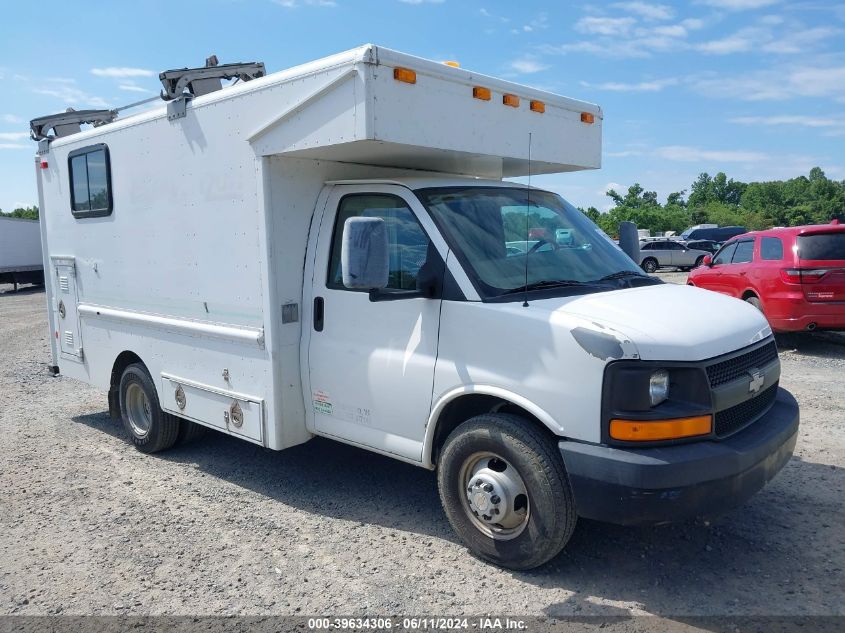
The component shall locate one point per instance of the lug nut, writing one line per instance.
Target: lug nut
(495, 499)
(495, 510)
(486, 517)
(478, 482)
(488, 487)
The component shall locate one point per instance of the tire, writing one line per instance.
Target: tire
(189, 432)
(150, 429)
(541, 521)
(650, 265)
(699, 262)
(755, 302)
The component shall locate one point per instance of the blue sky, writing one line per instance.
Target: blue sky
(755, 88)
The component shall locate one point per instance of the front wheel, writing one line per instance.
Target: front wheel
(699, 262)
(650, 266)
(505, 491)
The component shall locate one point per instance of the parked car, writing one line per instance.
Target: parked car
(795, 276)
(717, 234)
(663, 253)
(710, 246)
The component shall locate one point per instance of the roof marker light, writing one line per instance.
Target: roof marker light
(405, 75)
(452, 64)
(510, 100)
(538, 106)
(479, 92)
(588, 117)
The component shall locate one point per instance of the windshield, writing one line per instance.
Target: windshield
(498, 236)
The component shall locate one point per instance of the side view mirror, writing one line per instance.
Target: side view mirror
(708, 260)
(364, 253)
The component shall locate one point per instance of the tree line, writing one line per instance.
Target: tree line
(813, 199)
(28, 213)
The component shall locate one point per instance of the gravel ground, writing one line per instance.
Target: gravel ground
(88, 525)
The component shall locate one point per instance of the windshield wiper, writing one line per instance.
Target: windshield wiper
(547, 283)
(621, 275)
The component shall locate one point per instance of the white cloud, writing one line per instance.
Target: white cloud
(778, 84)
(293, 4)
(121, 72)
(129, 87)
(798, 41)
(739, 42)
(831, 125)
(624, 153)
(604, 26)
(654, 85)
(14, 146)
(493, 16)
(13, 136)
(537, 24)
(739, 5)
(10, 118)
(646, 10)
(687, 153)
(68, 93)
(527, 66)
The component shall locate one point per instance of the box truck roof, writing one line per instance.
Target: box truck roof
(375, 106)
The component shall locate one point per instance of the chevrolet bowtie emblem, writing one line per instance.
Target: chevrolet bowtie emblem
(757, 380)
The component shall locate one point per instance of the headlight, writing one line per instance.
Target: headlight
(658, 387)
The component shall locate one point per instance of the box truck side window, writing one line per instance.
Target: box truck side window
(407, 239)
(90, 182)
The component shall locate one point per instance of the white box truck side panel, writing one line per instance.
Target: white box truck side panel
(20, 245)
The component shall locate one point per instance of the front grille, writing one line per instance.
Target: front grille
(741, 415)
(733, 368)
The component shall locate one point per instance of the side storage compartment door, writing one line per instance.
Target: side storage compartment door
(65, 307)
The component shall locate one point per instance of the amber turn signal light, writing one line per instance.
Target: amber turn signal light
(405, 74)
(481, 93)
(656, 430)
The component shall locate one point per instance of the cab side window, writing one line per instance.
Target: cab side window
(408, 243)
(771, 248)
(744, 252)
(725, 254)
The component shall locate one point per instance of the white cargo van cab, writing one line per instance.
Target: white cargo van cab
(332, 250)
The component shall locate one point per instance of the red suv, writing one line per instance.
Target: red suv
(795, 276)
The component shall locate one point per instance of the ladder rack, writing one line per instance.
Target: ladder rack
(66, 123)
(201, 81)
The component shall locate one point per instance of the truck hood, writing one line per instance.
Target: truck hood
(666, 322)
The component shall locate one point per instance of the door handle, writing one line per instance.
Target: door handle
(319, 313)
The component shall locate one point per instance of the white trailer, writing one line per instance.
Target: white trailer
(323, 251)
(20, 252)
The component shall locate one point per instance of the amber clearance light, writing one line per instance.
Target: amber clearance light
(656, 430)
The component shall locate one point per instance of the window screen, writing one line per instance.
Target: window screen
(90, 182)
(771, 248)
(408, 245)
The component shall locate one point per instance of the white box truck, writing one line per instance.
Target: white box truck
(20, 252)
(323, 251)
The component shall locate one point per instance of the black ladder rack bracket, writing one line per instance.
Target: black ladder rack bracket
(66, 123)
(182, 85)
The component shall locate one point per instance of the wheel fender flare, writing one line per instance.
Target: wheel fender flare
(486, 390)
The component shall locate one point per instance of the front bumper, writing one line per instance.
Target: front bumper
(666, 484)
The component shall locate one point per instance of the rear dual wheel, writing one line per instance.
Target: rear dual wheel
(505, 491)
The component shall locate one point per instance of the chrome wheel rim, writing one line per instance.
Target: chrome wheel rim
(494, 496)
(138, 410)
